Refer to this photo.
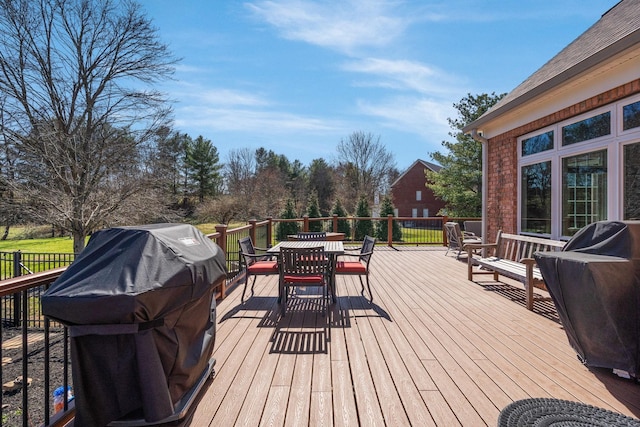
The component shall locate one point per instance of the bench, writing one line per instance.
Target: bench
(512, 258)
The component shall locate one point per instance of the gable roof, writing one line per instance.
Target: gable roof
(428, 165)
(616, 31)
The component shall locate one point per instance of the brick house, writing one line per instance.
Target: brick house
(411, 197)
(562, 149)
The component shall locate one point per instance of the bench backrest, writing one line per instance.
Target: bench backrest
(514, 247)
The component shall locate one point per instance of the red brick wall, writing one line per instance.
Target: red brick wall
(404, 193)
(502, 159)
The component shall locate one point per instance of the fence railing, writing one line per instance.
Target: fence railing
(30, 274)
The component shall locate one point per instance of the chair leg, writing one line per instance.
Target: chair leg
(246, 283)
(368, 287)
(285, 300)
(253, 286)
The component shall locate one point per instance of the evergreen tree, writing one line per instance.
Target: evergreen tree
(459, 182)
(286, 228)
(204, 168)
(364, 227)
(343, 224)
(313, 211)
(382, 228)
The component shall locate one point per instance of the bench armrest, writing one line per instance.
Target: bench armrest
(528, 261)
(470, 246)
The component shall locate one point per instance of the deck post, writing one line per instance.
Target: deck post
(390, 230)
(222, 242)
(252, 230)
(445, 219)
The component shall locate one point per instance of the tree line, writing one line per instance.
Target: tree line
(87, 142)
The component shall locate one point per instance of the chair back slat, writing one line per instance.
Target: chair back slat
(454, 234)
(367, 248)
(311, 235)
(246, 247)
(303, 261)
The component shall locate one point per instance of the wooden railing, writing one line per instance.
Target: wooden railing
(422, 230)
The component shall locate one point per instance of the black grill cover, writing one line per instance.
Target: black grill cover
(595, 285)
(140, 306)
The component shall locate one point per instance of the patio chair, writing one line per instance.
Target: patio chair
(311, 235)
(256, 264)
(457, 238)
(473, 227)
(303, 267)
(359, 267)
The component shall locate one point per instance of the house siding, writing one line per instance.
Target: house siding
(502, 155)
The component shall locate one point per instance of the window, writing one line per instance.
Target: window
(631, 116)
(536, 198)
(425, 213)
(584, 190)
(538, 143)
(414, 212)
(584, 130)
(418, 195)
(632, 181)
(583, 170)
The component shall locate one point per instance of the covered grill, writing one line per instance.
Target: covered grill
(595, 285)
(140, 307)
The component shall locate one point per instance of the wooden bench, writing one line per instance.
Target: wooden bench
(512, 258)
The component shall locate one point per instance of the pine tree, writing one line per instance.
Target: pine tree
(382, 228)
(343, 224)
(459, 182)
(313, 211)
(287, 228)
(364, 227)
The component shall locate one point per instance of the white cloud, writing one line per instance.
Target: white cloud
(421, 116)
(404, 75)
(247, 120)
(341, 25)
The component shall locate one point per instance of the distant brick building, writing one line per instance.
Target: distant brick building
(411, 197)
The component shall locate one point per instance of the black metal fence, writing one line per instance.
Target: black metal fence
(15, 264)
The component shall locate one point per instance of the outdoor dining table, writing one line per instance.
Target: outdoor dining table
(332, 248)
(330, 236)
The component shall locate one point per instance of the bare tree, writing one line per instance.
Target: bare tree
(240, 178)
(366, 164)
(321, 180)
(77, 77)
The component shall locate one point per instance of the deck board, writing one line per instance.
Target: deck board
(432, 349)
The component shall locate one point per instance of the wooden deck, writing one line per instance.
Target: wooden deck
(432, 349)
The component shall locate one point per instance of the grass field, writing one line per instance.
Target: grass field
(48, 245)
(37, 239)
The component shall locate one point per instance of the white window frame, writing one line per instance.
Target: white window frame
(612, 143)
(414, 212)
(418, 195)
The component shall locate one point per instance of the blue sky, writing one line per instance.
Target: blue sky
(298, 76)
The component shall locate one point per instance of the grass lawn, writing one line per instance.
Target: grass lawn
(33, 239)
(48, 245)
